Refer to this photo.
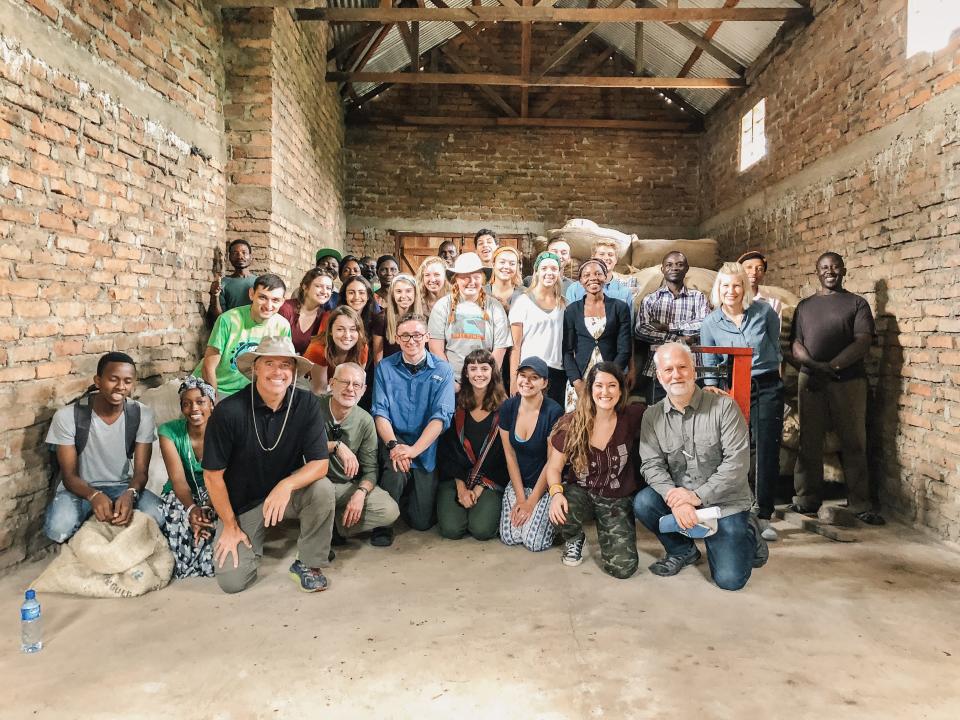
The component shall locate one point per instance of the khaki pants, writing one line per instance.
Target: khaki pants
(313, 505)
(841, 407)
(379, 510)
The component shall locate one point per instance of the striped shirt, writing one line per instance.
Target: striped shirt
(682, 314)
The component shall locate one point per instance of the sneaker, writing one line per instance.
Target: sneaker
(767, 531)
(761, 553)
(573, 551)
(381, 537)
(670, 565)
(309, 579)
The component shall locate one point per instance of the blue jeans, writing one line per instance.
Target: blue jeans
(68, 512)
(730, 551)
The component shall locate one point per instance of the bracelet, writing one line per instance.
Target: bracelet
(362, 489)
(337, 446)
(190, 510)
(556, 490)
(94, 494)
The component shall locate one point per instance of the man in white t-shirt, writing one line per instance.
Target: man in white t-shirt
(103, 445)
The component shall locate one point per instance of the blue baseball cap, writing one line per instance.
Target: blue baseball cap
(537, 365)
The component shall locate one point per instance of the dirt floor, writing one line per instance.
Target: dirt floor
(461, 629)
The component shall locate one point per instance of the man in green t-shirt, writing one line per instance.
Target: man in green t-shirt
(352, 444)
(232, 291)
(241, 329)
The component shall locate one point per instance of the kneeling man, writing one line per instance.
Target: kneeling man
(265, 459)
(695, 452)
(352, 442)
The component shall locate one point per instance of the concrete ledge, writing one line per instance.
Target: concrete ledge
(53, 48)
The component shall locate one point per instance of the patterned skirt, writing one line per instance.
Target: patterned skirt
(191, 559)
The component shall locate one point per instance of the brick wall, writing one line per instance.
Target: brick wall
(136, 136)
(107, 218)
(513, 179)
(862, 157)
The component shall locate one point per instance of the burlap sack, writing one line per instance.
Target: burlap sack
(649, 279)
(580, 234)
(165, 403)
(106, 561)
(700, 253)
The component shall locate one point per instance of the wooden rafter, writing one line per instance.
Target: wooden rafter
(340, 51)
(556, 94)
(704, 45)
(465, 71)
(708, 36)
(525, 50)
(411, 39)
(612, 124)
(519, 81)
(537, 13)
(571, 44)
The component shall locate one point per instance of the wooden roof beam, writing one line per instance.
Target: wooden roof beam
(542, 13)
(463, 78)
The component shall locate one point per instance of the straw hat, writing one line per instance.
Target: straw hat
(272, 347)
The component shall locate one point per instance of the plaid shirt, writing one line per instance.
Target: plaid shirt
(682, 314)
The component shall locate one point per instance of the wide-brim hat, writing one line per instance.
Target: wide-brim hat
(271, 346)
(467, 263)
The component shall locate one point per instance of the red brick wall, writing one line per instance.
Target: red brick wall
(518, 179)
(862, 157)
(107, 219)
(135, 137)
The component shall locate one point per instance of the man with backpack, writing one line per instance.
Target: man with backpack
(103, 446)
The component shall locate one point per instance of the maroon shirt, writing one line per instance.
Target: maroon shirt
(291, 311)
(610, 472)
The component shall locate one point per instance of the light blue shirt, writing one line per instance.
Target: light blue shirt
(409, 402)
(759, 329)
(613, 289)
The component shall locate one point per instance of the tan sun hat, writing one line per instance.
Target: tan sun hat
(271, 346)
(467, 263)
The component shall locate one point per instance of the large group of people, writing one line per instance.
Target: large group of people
(470, 398)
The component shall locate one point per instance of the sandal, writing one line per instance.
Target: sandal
(795, 508)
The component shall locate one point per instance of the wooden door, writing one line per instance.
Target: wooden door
(414, 248)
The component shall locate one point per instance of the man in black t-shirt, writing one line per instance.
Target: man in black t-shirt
(832, 333)
(264, 460)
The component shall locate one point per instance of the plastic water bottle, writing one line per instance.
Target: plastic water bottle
(31, 632)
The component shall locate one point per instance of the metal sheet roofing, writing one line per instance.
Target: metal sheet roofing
(665, 51)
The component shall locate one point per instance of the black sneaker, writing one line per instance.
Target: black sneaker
(761, 552)
(573, 551)
(381, 537)
(308, 579)
(670, 565)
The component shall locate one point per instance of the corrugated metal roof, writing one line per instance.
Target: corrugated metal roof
(665, 50)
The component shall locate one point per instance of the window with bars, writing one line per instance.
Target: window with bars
(753, 138)
(930, 23)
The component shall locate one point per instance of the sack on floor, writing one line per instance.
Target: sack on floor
(106, 561)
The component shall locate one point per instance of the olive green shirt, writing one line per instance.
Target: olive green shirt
(358, 433)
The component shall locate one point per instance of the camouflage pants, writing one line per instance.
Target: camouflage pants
(616, 532)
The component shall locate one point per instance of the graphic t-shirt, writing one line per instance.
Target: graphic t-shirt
(234, 333)
(468, 329)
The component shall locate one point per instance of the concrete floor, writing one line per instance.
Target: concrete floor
(440, 629)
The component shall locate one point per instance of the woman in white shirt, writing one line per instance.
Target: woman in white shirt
(536, 321)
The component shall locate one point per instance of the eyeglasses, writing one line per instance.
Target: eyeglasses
(334, 431)
(407, 337)
(353, 385)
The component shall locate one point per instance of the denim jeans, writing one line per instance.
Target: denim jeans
(68, 512)
(730, 551)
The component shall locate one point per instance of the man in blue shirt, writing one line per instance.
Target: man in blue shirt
(413, 404)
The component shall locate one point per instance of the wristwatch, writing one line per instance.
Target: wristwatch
(391, 444)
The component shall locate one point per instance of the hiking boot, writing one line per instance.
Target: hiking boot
(381, 537)
(761, 553)
(670, 565)
(573, 551)
(767, 531)
(309, 579)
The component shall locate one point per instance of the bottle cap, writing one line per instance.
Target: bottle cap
(30, 595)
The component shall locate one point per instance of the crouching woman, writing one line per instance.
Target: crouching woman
(470, 456)
(599, 441)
